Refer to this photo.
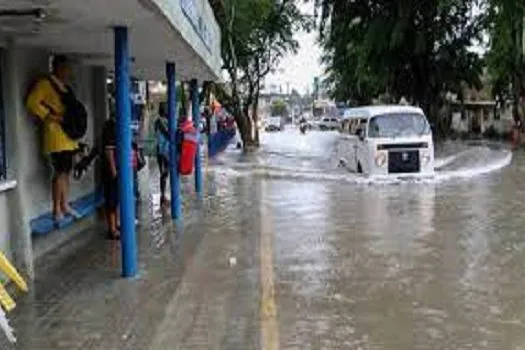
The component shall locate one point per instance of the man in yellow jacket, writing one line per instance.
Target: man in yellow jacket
(45, 103)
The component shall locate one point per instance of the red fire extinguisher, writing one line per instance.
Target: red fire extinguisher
(190, 139)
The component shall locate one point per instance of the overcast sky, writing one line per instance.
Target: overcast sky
(299, 70)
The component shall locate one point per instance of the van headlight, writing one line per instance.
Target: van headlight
(380, 159)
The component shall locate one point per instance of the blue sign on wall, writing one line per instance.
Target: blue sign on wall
(191, 11)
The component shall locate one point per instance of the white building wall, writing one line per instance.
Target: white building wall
(204, 39)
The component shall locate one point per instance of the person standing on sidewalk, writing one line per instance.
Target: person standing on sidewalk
(162, 134)
(44, 102)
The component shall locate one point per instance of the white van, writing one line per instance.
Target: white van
(274, 123)
(382, 140)
(329, 123)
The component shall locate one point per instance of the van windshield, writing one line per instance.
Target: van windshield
(397, 125)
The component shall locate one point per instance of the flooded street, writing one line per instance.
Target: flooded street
(403, 265)
(289, 250)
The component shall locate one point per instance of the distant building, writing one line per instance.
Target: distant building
(479, 112)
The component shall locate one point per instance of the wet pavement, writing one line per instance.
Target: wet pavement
(290, 251)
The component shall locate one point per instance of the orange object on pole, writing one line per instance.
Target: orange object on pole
(190, 139)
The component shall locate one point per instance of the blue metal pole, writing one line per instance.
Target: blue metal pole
(125, 171)
(176, 205)
(194, 88)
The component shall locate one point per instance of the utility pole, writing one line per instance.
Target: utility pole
(316, 88)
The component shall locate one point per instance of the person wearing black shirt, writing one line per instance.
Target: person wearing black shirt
(109, 177)
(161, 130)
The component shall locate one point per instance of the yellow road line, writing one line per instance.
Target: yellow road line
(268, 308)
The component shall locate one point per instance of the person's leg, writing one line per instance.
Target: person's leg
(111, 199)
(164, 181)
(112, 223)
(64, 191)
(163, 169)
(67, 159)
(56, 185)
(55, 198)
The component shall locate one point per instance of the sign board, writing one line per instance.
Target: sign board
(138, 92)
(192, 13)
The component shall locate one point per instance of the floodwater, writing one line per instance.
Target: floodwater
(288, 250)
(398, 264)
(314, 156)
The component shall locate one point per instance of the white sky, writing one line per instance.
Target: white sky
(299, 70)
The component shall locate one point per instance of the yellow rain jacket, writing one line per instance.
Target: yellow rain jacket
(40, 100)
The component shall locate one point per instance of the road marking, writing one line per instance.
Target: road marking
(268, 308)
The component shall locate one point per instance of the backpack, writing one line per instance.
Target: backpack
(74, 121)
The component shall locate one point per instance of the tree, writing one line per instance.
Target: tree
(255, 36)
(506, 62)
(279, 108)
(404, 48)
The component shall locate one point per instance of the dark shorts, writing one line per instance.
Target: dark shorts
(163, 164)
(111, 194)
(62, 162)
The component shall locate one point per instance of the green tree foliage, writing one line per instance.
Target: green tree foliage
(411, 48)
(279, 108)
(506, 62)
(256, 34)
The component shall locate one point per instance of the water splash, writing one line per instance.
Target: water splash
(469, 163)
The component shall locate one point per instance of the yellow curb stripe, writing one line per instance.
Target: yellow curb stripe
(268, 309)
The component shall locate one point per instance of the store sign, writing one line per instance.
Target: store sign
(191, 11)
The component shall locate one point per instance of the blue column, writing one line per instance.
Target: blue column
(125, 171)
(195, 104)
(176, 206)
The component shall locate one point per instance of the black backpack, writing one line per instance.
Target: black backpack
(74, 121)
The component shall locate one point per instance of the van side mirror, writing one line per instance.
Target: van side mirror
(361, 134)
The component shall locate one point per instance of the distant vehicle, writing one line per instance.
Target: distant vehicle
(324, 108)
(388, 140)
(329, 123)
(275, 123)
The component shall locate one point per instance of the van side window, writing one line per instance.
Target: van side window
(362, 125)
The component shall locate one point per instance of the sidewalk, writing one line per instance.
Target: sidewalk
(186, 297)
